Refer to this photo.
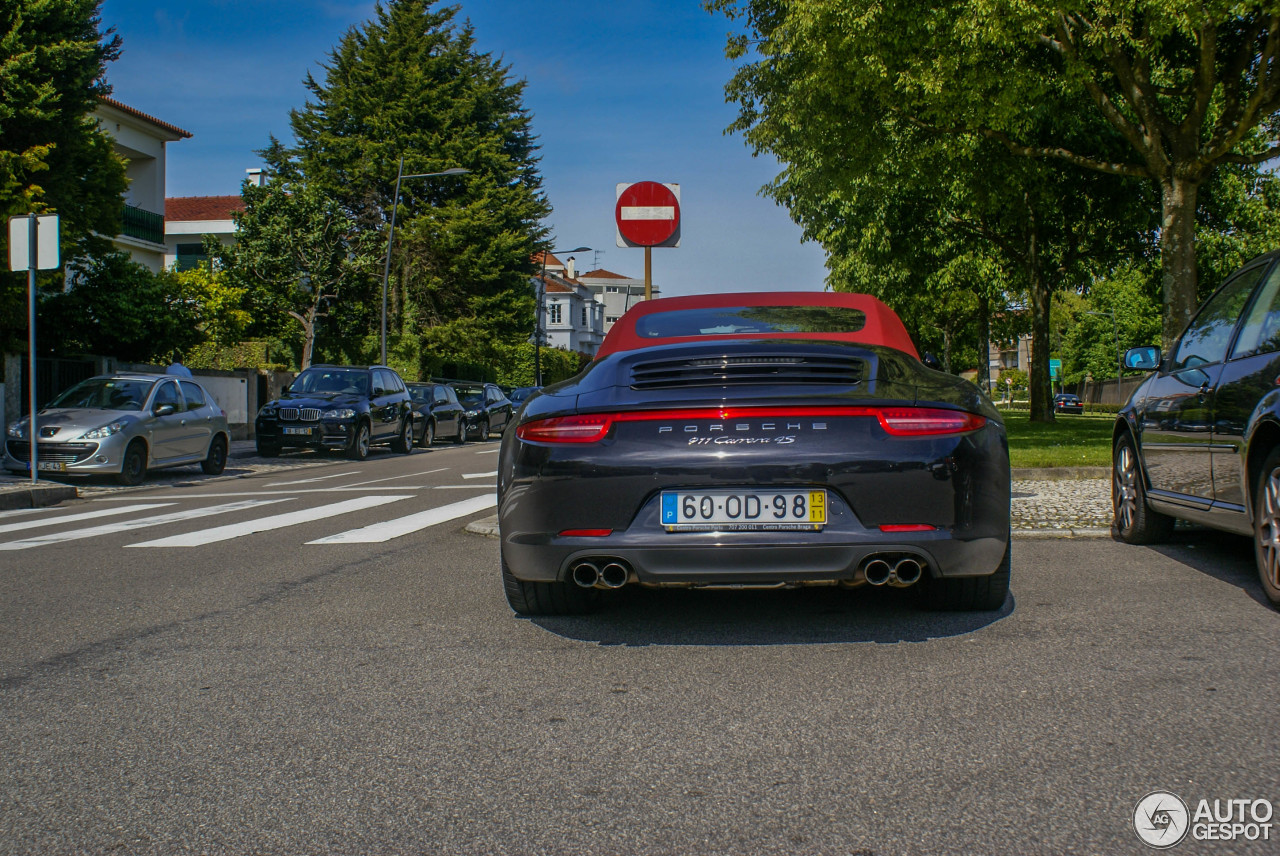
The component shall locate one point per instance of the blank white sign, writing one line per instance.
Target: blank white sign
(46, 242)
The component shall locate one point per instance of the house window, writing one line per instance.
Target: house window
(584, 316)
(191, 255)
(611, 319)
(553, 313)
(611, 289)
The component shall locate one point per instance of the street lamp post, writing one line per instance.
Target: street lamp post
(391, 236)
(537, 311)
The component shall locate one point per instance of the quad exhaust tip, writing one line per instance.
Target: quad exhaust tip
(899, 573)
(604, 573)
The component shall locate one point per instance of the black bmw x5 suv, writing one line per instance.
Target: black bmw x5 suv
(349, 408)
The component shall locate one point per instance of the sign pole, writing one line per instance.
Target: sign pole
(33, 225)
(648, 273)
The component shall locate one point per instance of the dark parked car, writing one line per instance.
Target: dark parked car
(349, 408)
(487, 408)
(439, 413)
(1199, 440)
(520, 393)
(758, 439)
(1065, 402)
(123, 425)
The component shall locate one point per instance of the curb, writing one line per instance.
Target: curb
(488, 527)
(39, 496)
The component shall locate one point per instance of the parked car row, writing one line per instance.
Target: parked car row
(128, 423)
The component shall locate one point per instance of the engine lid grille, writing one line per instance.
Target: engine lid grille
(758, 369)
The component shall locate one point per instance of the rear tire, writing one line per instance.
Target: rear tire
(216, 461)
(133, 469)
(969, 594)
(553, 598)
(1134, 522)
(403, 443)
(1266, 527)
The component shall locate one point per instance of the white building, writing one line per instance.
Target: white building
(617, 293)
(571, 317)
(188, 219)
(141, 140)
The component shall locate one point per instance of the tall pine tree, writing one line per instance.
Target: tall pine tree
(411, 83)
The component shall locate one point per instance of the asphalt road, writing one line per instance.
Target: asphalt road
(262, 693)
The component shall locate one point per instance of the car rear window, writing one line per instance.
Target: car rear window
(730, 320)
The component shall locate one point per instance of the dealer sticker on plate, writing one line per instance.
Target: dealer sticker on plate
(744, 510)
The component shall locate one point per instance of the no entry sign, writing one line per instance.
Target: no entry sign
(648, 214)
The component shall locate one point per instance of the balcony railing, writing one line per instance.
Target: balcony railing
(143, 225)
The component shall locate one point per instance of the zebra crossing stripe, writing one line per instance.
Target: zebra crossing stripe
(389, 529)
(264, 524)
(85, 515)
(139, 523)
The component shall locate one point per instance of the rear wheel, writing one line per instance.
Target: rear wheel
(552, 598)
(1266, 527)
(969, 594)
(216, 461)
(134, 467)
(1135, 522)
(359, 448)
(403, 443)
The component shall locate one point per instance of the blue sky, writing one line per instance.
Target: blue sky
(621, 91)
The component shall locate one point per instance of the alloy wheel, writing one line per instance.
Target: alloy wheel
(1269, 528)
(1125, 486)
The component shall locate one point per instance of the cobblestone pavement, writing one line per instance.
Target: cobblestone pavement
(1061, 504)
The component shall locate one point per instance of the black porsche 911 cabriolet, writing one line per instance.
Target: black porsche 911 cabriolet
(757, 439)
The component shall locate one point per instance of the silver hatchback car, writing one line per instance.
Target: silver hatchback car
(124, 424)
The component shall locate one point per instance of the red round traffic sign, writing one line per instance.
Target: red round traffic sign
(647, 213)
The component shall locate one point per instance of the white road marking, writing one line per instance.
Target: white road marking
(84, 515)
(126, 525)
(389, 529)
(393, 478)
(489, 452)
(17, 511)
(316, 479)
(479, 475)
(279, 521)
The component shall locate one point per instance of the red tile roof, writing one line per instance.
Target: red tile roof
(603, 274)
(202, 207)
(138, 114)
(555, 286)
(551, 260)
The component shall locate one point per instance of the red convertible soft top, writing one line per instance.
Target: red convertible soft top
(816, 315)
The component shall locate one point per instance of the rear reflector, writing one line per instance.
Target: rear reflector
(898, 421)
(907, 527)
(586, 533)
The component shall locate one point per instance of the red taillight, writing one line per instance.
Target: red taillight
(586, 533)
(907, 527)
(584, 428)
(923, 421)
(898, 421)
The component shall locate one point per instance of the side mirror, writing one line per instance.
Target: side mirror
(932, 362)
(1146, 358)
(163, 409)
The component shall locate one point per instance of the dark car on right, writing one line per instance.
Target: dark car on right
(487, 407)
(1199, 440)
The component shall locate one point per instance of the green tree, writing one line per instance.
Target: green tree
(1091, 345)
(296, 251)
(1176, 88)
(411, 83)
(118, 307)
(53, 156)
